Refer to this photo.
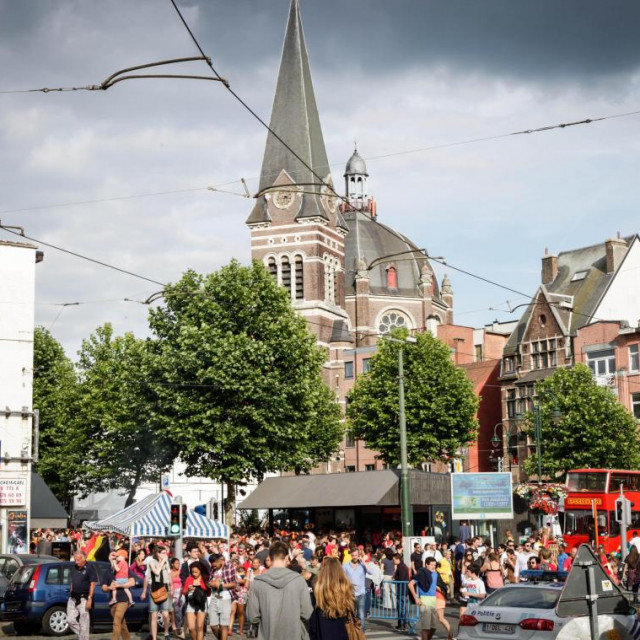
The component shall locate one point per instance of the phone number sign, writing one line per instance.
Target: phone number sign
(13, 492)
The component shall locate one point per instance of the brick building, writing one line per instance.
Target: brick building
(582, 312)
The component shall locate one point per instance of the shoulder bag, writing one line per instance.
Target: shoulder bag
(353, 625)
(159, 591)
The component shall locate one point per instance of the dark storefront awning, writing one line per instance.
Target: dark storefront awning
(46, 510)
(361, 489)
(366, 488)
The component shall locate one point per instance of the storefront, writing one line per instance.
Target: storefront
(363, 501)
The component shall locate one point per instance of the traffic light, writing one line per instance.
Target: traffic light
(174, 520)
(619, 505)
(216, 515)
(184, 516)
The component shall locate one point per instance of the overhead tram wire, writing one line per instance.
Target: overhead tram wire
(216, 188)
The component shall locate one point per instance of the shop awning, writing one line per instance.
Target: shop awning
(46, 510)
(198, 526)
(366, 488)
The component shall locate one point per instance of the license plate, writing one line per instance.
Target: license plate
(12, 606)
(494, 627)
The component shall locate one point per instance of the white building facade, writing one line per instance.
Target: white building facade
(17, 293)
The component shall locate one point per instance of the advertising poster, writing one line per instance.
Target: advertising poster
(13, 492)
(481, 496)
(17, 538)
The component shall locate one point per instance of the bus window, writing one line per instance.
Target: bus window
(615, 525)
(580, 522)
(587, 481)
(630, 481)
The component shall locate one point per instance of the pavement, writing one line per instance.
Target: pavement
(376, 630)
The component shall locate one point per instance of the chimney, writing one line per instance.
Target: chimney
(616, 249)
(549, 267)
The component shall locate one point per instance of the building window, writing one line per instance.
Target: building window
(331, 267)
(273, 268)
(366, 365)
(390, 321)
(392, 278)
(634, 361)
(602, 363)
(369, 467)
(299, 278)
(635, 405)
(285, 266)
(509, 365)
(349, 440)
(350, 468)
(478, 354)
(511, 403)
(544, 354)
(348, 369)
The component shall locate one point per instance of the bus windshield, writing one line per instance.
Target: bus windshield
(580, 522)
(587, 481)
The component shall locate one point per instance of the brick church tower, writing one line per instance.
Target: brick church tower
(297, 229)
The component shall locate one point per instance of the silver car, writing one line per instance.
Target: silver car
(527, 610)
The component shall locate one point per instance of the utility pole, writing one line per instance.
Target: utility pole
(405, 501)
(538, 429)
(177, 545)
(623, 523)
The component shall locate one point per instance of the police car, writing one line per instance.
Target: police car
(527, 610)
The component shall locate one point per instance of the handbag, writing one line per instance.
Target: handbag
(353, 626)
(159, 591)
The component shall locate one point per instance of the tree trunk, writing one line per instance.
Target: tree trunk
(134, 488)
(230, 505)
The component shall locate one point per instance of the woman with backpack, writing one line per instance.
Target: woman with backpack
(196, 590)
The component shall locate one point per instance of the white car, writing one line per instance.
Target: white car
(527, 610)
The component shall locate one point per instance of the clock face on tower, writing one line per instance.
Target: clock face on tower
(283, 199)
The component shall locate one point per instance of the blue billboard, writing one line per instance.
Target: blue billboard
(481, 496)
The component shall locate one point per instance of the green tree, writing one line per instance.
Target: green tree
(590, 427)
(111, 438)
(242, 391)
(55, 391)
(440, 403)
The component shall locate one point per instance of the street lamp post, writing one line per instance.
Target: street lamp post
(405, 500)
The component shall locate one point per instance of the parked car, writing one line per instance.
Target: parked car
(526, 610)
(11, 562)
(37, 597)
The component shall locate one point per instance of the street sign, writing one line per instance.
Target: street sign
(165, 482)
(586, 579)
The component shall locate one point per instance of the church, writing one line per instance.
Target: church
(352, 277)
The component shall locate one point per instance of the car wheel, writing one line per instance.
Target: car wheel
(160, 620)
(24, 628)
(55, 622)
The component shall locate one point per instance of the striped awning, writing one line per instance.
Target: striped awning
(147, 518)
(198, 526)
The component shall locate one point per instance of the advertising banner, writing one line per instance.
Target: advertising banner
(481, 496)
(17, 538)
(13, 492)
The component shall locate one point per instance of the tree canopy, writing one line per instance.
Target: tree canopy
(591, 428)
(240, 377)
(440, 403)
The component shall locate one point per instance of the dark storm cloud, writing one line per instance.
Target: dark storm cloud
(543, 38)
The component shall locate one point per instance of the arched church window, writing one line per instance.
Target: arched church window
(299, 278)
(392, 320)
(392, 278)
(273, 268)
(286, 273)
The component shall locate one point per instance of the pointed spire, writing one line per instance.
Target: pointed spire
(295, 119)
(446, 288)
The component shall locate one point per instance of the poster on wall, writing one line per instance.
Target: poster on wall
(481, 496)
(17, 537)
(13, 492)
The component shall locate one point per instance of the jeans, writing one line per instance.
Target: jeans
(360, 608)
(401, 603)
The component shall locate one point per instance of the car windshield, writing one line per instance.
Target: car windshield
(523, 597)
(23, 575)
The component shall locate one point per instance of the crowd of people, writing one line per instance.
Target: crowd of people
(308, 583)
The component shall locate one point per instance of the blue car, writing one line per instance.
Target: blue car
(37, 597)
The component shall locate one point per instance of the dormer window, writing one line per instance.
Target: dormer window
(392, 278)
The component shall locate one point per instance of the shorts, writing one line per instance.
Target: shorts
(190, 609)
(159, 606)
(122, 580)
(219, 612)
(428, 618)
(441, 601)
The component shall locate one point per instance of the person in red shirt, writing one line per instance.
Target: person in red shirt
(568, 563)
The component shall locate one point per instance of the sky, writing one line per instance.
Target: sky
(394, 76)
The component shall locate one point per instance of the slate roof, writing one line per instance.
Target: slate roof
(582, 296)
(295, 119)
(370, 240)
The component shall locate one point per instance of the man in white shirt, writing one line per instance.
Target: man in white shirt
(522, 558)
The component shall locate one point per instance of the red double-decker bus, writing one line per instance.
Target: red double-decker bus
(595, 491)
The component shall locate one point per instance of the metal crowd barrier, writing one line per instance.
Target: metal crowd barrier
(392, 601)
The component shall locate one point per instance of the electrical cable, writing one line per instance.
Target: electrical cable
(83, 257)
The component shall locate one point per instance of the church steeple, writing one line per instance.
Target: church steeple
(295, 119)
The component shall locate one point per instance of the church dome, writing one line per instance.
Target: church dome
(356, 165)
(368, 240)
